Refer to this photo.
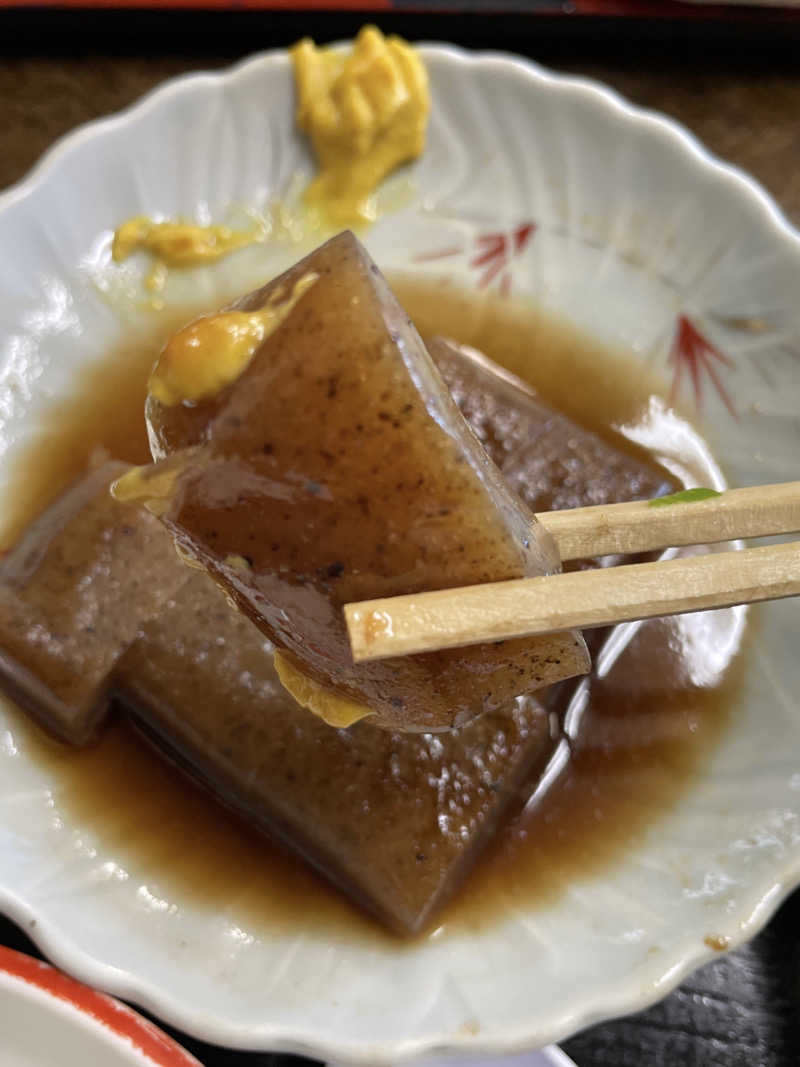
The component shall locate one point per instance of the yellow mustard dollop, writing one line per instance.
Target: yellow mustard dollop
(334, 710)
(176, 244)
(365, 113)
(210, 353)
(153, 487)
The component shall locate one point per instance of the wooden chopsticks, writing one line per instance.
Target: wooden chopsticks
(648, 526)
(448, 618)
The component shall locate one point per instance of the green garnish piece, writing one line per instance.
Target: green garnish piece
(686, 496)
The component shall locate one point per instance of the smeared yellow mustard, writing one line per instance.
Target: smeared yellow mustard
(188, 558)
(334, 710)
(210, 353)
(365, 113)
(176, 244)
(238, 563)
(151, 486)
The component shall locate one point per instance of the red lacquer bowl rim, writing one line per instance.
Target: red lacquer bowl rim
(103, 1011)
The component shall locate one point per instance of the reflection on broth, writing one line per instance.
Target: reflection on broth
(632, 735)
(174, 842)
(79, 425)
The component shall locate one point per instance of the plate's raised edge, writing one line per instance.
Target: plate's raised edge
(104, 1012)
(607, 1003)
(649, 121)
(503, 61)
(552, 1055)
(271, 1038)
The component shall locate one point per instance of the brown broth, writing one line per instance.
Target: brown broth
(646, 726)
(80, 425)
(571, 372)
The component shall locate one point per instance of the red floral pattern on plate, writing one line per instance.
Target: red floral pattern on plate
(692, 352)
(491, 254)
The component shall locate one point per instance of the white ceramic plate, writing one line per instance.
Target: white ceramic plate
(544, 1057)
(49, 1020)
(612, 216)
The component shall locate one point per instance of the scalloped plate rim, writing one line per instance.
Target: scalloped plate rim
(63, 953)
(614, 100)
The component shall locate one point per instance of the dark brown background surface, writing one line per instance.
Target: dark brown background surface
(737, 87)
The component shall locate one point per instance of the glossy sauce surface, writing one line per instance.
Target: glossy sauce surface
(336, 467)
(636, 732)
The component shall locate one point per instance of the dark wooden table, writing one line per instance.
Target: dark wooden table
(737, 86)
